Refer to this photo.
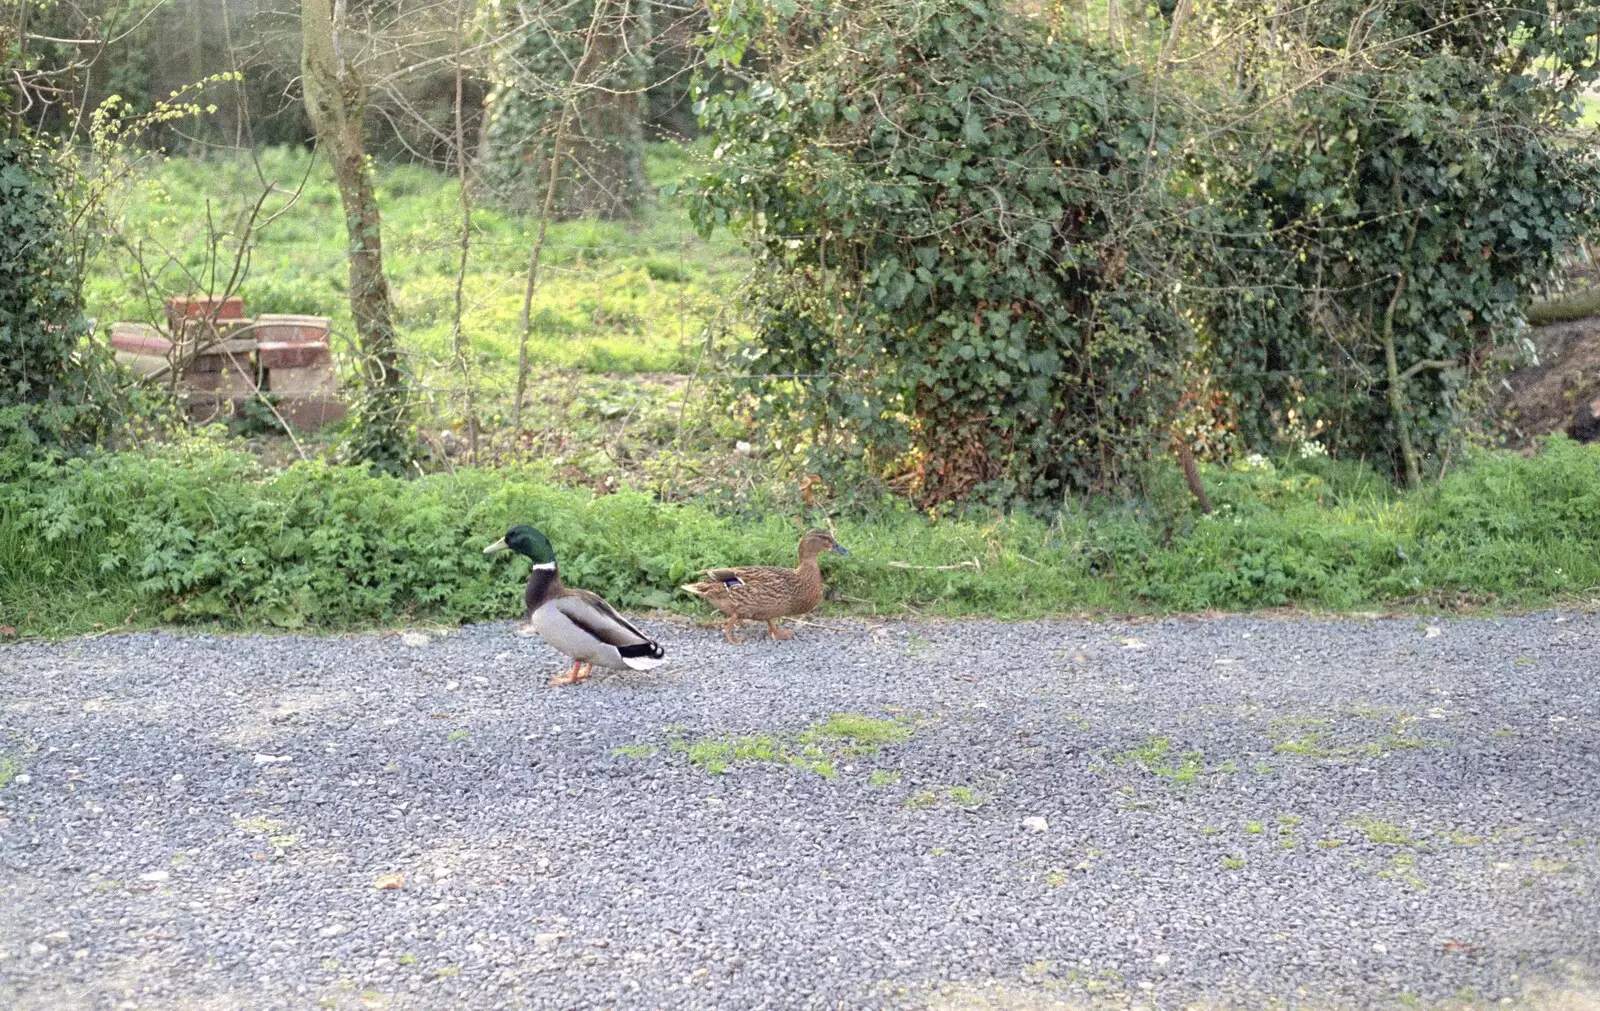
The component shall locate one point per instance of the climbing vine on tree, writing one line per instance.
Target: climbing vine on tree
(1373, 239)
(952, 215)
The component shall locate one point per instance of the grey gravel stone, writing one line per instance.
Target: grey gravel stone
(1241, 812)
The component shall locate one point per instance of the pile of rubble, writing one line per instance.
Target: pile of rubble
(216, 359)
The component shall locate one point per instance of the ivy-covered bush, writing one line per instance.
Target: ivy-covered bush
(1414, 196)
(950, 211)
(44, 388)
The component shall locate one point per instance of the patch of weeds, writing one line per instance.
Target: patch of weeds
(634, 751)
(966, 796)
(1383, 833)
(1287, 823)
(1156, 756)
(446, 971)
(1210, 830)
(9, 767)
(1502, 735)
(1262, 769)
(1403, 868)
(1462, 839)
(1544, 866)
(938, 851)
(257, 825)
(860, 735)
(1316, 738)
(883, 777)
(406, 960)
(961, 796)
(107, 886)
(179, 858)
(842, 735)
(1329, 844)
(283, 841)
(1232, 863)
(917, 646)
(1038, 969)
(457, 735)
(1079, 720)
(1057, 877)
(1253, 828)
(1231, 766)
(331, 965)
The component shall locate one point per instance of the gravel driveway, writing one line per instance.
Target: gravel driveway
(1217, 813)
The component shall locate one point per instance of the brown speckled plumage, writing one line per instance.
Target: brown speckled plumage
(767, 592)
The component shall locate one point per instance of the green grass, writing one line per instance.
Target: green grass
(613, 296)
(816, 749)
(198, 533)
(1156, 756)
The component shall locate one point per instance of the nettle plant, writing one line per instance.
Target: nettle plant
(957, 286)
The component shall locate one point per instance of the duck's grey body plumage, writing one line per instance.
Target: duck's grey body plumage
(585, 627)
(575, 622)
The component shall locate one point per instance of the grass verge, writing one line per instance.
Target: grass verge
(201, 533)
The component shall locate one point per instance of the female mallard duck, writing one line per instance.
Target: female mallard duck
(576, 622)
(765, 592)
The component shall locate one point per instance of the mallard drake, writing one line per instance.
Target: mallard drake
(765, 592)
(576, 622)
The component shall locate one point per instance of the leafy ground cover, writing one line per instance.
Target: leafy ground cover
(200, 532)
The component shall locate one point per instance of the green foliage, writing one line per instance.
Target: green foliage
(198, 533)
(948, 205)
(1429, 146)
(44, 381)
(615, 298)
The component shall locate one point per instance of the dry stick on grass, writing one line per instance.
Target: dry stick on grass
(971, 563)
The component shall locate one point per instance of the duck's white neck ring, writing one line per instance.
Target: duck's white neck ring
(544, 567)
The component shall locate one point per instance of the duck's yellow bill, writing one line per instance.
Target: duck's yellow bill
(499, 545)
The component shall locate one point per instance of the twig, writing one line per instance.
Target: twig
(971, 563)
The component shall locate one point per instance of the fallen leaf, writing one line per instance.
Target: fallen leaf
(8, 630)
(1434, 632)
(389, 882)
(1457, 946)
(1133, 643)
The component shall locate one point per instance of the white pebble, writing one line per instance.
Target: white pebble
(451, 686)
(23, 780)
(415, 639)
(1163, 959)
(272, 759)
(333, 930)
(1034, 823)
(37, 949)
(155, 876)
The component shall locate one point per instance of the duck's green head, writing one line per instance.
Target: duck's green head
(525, 540)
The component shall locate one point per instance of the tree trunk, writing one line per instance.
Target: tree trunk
(603, 170)
(335, 101)
(589, 62)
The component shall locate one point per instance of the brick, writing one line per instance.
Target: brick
(237, 376)
(291, 329)
(292, 355)
(204, 307)
(311, 381)
(203, 406)
(139, 339)
(307, 413)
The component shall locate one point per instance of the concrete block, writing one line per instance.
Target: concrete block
(292, 329)
(310, 381)
(292, 354)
